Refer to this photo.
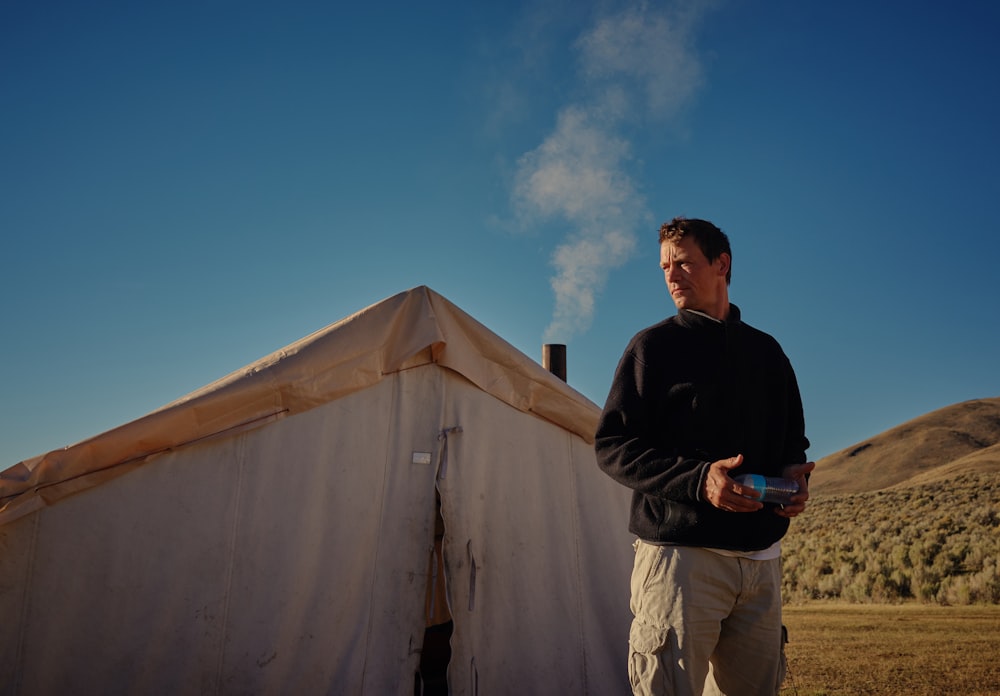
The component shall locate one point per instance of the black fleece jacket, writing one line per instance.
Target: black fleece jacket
(687, 392)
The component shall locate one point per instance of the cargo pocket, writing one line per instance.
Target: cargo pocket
(649, 649)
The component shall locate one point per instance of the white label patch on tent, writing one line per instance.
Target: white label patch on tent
(421, 457)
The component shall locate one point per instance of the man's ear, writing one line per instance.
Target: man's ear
(724, 261)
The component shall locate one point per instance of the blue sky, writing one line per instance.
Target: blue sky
(189, 186)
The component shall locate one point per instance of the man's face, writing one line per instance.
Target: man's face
(693, 282)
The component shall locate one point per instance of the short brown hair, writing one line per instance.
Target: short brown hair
(712, 241)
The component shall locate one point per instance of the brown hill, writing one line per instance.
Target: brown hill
(940, 445)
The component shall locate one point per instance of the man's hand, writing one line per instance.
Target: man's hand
(796, 472)
(724, 493)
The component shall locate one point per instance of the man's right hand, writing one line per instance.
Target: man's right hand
(724, 493)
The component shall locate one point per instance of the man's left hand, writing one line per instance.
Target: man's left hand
(796, 472)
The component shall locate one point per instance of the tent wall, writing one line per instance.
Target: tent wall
(289, 559)
(537, 555)
(293, 558)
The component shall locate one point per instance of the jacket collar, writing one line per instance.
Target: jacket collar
(696, 319)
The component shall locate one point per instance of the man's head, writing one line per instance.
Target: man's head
(712, 241)
(697, 265)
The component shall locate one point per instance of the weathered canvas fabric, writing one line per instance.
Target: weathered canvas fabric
(271, 532)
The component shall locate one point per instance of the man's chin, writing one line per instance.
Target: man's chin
(686, 303)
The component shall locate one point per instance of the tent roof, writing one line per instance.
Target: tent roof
(411, 328)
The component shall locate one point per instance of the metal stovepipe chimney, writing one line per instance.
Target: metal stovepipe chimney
(554, 359)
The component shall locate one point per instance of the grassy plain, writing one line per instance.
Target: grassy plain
(878, 650)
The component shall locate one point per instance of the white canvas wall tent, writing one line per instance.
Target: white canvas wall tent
(273, 532)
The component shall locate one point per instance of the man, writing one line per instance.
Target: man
(697, 399)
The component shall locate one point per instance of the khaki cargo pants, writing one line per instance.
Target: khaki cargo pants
(704, 623)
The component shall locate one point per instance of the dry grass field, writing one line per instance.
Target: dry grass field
(911, 514)
(878, 650)
(892, 577)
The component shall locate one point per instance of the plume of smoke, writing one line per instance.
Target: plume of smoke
(637, 63)
(649, 52)
(579, 174)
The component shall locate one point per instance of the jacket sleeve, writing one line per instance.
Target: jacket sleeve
(630, 450)
(796, 442)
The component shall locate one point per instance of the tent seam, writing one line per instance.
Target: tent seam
(580, 610)
(390, 426)
(231, 563)
(25, 606)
